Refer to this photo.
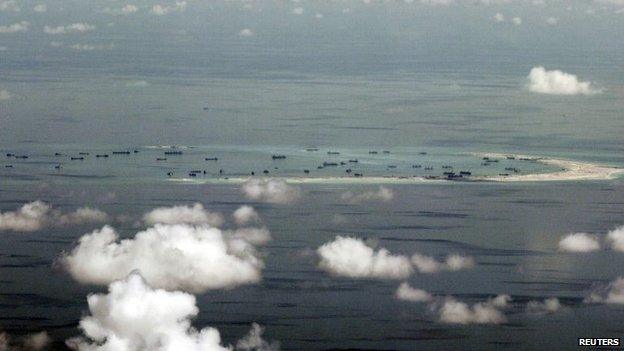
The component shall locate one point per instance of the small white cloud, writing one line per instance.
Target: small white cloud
(499, 17)
(30, 342)
(91, 47)
(270, 190)
(253, 341)
(246, 32)
(245, 214)
(351, 257)
(137, 84)
(298, 11)
(134, 316)
(579, 242)
(615, 238)
(552, 21)
(500, 301)
(550, 305)
(38, 215)
(9, 6)
(15, 28)
(161, 10)
(319, 16)
(40, 8)
(407, 293)
(453, 262)
(173, 257)
(195, 214)
(251, 235)
(4, 95)
(517, 21)
(382, 194)
(425, 264)
(82, 215)
(69, 29)
(455, 312)
(557, 83)
(437, 2)
(125, 10)
(613, 293)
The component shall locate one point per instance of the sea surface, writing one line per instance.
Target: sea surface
(428, 103)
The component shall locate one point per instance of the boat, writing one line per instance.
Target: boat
(121, 152)
(77, 158)
(333, 153)
(211, 159)
(279, 157)
(465, 173)
(175, 152)
(353, 160)
(161, 159)
(101, 155)
(328, 164)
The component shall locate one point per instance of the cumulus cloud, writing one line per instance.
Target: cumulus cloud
(613, 293)
(351, 257)
(499, 17)
(15, 27)
(195, 214)
(83, 215)
(579, 242)
(68, 29)
(253, 341)
(246, 32)
(500, 301)
(173, 257)
(245, 214)
(137, 84)
(9, 6)
(91, 47)
(557, 83)
(270, 190)
(4, 95)
(382, 194)
(298, 11)
(37, 215)
(615, 238)
(453, 262)
(125, 10)
(517, 21)
(407, 293)
(161, 10)
(552, 21)
(134, 316)
(550, 305)
(455, 312)
(254, 236)
(40, 8)
(31, 342)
